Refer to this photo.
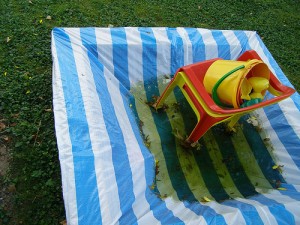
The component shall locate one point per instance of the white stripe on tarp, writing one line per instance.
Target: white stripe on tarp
(135, 51)
(105, 175)
(135, 48)
(187, 46)
(140, 206)
(211, 47)
(292, 115)
(63, 142)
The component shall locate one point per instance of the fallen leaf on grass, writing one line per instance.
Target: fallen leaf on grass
(48, 17)
(12, 188)
(64, 222)
(5, 138)
(2, 126)
(8, 39)
(16, 115)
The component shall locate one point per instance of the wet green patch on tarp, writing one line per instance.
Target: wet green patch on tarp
(221, 166)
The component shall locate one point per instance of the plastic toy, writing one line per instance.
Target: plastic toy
(224, 90)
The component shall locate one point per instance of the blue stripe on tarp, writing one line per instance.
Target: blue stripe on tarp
(198, 46)
(119, 154)
(243, 40)
(223, 45)
(233, 164)
(164, 130)
(120, 58)
(177, 50)
(83, 157)
(158, 207)
(177, 61)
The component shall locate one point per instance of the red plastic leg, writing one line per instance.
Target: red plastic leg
(203, 125)
(205, 121)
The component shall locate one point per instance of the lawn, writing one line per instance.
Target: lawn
(27, 126)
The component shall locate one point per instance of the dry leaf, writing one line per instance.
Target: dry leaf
(2, 126)
(16, 115)
(152, 186)
(8, 39)
(64, 222)
(5, 138)
(206, 199)
(275, 167)
(48, 110)
(48, 17)
(281, 189)
(12, 188)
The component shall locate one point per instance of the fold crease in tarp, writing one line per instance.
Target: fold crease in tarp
(121, 162)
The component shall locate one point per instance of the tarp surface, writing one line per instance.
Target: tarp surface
(121, 163)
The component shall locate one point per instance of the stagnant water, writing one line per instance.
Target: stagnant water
(222, 165)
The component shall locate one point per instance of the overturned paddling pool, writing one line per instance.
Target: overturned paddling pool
(123, 162)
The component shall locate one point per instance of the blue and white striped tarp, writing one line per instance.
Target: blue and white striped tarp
(107, 171)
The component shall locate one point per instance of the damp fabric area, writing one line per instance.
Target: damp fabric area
(123, 162)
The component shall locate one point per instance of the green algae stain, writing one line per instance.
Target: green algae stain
(221, 166)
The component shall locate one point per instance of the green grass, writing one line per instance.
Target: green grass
(25, 74)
